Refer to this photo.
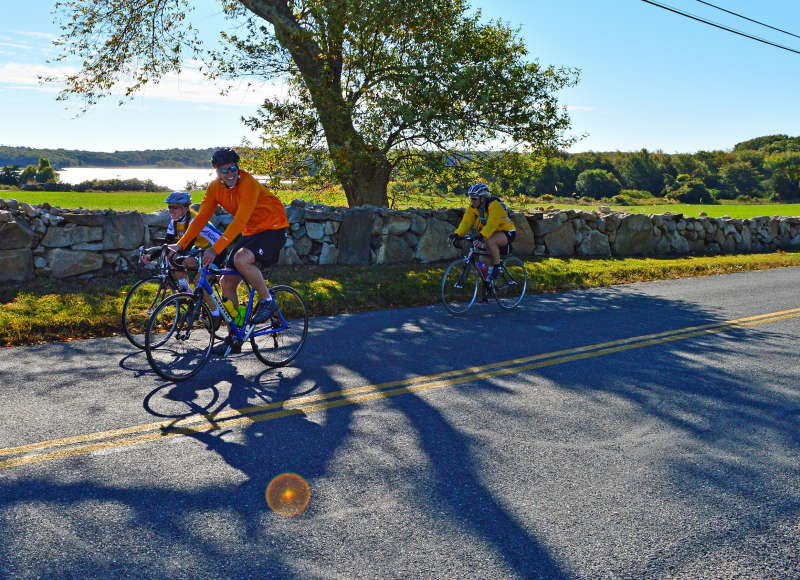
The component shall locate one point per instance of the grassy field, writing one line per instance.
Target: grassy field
(47, 310)
(148, 202)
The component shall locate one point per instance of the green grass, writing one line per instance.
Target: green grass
(47, 310)
(149, 202)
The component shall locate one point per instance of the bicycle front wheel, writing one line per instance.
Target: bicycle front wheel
(140, 303)
(279, 340)
(179, 337)
(510, 286)
(459, 287)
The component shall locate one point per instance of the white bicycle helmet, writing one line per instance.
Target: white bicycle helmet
(478, 190)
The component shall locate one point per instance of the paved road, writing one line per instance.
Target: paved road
(647, 430)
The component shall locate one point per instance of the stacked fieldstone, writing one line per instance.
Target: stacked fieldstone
(64, 243)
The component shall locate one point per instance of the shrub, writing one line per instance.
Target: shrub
(693, 191)
(597, 183)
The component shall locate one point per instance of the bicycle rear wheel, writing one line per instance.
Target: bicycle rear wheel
(510, 286)
(459, 287)
(179, 337)
(139, 305)
(281, 346)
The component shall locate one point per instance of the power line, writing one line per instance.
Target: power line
(720, 26)
(746, 18)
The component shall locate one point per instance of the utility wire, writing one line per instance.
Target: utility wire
(720, 26)
(746, 18)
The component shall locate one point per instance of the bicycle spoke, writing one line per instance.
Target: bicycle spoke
(179, 337)
(279, 340)
(141, 302)
(510, 286)
(459, 287)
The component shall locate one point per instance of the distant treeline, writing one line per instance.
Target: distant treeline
(762, 168)
(61, 158)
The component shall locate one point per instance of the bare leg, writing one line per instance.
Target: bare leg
(493, 244)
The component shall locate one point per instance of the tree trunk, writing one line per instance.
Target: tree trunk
(362, 170)
(364, 174)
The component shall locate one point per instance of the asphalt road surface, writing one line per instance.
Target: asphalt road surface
(639, 431)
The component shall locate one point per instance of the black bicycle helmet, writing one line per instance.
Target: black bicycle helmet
(224, 156)
(478, 190)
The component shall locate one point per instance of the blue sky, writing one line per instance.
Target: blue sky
(649, 78)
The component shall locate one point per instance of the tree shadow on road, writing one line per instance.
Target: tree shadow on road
(448, 479)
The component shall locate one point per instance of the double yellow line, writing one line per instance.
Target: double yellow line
(90, 442)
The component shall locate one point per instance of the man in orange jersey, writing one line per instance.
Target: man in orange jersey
(261, 219)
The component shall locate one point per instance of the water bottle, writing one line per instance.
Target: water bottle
(483, 268)
(230, 308)
(239, 320)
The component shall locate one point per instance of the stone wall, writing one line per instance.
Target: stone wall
(65, 243)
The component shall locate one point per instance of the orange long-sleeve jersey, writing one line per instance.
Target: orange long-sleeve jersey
(254, 208)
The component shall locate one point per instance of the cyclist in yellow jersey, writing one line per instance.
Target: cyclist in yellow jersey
(489, 216)
(180, 216)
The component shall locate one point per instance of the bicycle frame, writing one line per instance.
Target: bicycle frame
(245, 331)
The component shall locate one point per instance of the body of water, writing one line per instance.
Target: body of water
(171, 178)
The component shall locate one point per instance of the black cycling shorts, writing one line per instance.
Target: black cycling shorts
(266, 246)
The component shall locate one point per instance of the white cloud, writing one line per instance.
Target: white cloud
(190, 86)
(15, 45)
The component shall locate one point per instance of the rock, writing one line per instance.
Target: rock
(16, 234)
(524, 242)
(123, 230)
(595, 244)
(16, 265)
(67, 263)
(561, 242)
(635, 236)
(433, 244)
(394, 250)
(355, 235)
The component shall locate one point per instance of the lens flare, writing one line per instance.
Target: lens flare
(288, 494)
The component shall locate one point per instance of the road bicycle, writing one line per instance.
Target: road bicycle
(146, 294)
(463, 278)
(180, 333)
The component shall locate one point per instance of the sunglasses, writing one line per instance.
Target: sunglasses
(173, 207)
(227, 170)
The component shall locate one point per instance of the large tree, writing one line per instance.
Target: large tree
(373, 83)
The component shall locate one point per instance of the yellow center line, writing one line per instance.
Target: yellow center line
(311, 403)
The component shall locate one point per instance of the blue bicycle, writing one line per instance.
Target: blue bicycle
(180, 333)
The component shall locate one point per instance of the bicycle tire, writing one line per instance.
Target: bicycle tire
(459, 286)
(179, 337)
(140, 303)
(279, 348)
(510, 286)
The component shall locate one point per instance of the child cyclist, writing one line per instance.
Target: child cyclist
(489, 216)
(181, 215)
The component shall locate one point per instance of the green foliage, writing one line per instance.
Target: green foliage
(642, 171)
(10, 175)
(28, 175)
(739, 179)
(372, 83)
(770, 144)
(692, 191)
(597, 183)
(785, 170)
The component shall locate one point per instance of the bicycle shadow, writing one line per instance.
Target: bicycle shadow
(449, 481)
